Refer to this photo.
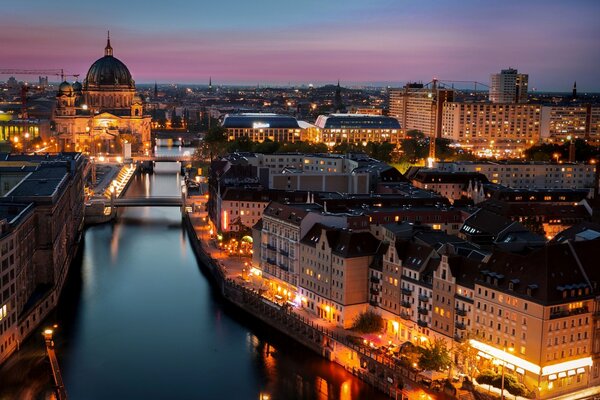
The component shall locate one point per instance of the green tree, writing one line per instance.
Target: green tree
(215, 141)
(266, 147)
(368, 322)
(435, 356)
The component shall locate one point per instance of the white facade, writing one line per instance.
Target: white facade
(508, 87)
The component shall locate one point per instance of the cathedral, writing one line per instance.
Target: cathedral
(104, 112)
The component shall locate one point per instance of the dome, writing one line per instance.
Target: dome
(65, 88)
(77, 86)
(109, 71)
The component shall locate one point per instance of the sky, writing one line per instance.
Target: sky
(266, 42)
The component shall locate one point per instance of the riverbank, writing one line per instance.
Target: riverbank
(368, 365)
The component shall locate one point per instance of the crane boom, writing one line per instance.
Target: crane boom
(56, 72)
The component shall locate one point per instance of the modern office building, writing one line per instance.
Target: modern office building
(258, 127)
(357, 129)
(508, 87)
(560, 122)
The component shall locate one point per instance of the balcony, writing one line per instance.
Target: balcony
(406, 291)
(568, 313)
(422, 323)
(374, 292)
(459, 338)
(284, 253)
(405, 304)
(271, 261)
(424, 298)
(405, 315)
(271, 247)
(460, 326)
(422, 310)
(374, 303)
(284, 267)
(375, 279)
(461, 311)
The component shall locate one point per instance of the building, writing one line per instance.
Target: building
(41, 221)
(27, 132)
(277, 253)
(419, 108)
(497, 128)
(529, 175)
(103, 113)
(560, 122)
(334, 272)
(357, 129)
(508, 87)
(258, 127)
(452, 185)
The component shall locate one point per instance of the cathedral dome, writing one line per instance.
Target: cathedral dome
(109, 71)
(65, 88)
(77, 87)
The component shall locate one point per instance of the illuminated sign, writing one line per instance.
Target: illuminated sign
(260, 125)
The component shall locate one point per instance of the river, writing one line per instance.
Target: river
(139, 320)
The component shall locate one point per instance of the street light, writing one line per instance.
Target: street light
(510, 349)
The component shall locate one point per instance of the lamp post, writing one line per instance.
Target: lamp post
(510, 349)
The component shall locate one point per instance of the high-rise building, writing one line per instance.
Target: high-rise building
(508, 87)
(419, 108)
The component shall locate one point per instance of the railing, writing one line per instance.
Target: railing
(405, 304)
(424, 298)
(375, 292)
(271, 247)
(406, 291)
(284, 253)
(461, 311)
(422, 310)
(460, 326)
(271, 261)
(422, 323)
(375, 279)
(404, 315)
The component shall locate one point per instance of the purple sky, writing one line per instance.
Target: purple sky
(313, 41)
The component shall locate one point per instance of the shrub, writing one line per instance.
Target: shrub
(511, 385)
(368, 322)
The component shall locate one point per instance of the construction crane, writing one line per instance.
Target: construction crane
(39, 72)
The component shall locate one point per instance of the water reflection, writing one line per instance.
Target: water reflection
(138, 320)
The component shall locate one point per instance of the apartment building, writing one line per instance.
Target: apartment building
(532, 175)
(452, 185)
(419, 108)
(561, 122)
(41, 222)
(492, 126)
(334, 272)
(508, 87)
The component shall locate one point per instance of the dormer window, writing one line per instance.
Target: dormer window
(511, 286)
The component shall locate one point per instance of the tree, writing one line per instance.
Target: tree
(215, 141)
(368, 322)
(435, 356)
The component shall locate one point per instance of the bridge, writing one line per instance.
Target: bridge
(171, 158)
(169, 201)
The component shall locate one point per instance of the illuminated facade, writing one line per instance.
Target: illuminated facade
(577, 121)
(508, 87)
(258, 127)
(495, 127)
(334, 129)
(334, 271)
(105, 111)
(419, 108)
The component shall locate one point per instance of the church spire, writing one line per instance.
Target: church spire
(574, 90)
(108, 51)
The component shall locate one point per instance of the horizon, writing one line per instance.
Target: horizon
(279, 44)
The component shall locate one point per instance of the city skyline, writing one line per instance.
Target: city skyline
(239, 43)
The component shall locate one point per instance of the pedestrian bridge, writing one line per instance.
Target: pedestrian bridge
(169, 201)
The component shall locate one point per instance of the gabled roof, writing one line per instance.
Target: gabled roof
(292, 213)
(343, 242)
(583, 231)
(546, 273)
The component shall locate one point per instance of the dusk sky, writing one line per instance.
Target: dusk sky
(311, 41)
